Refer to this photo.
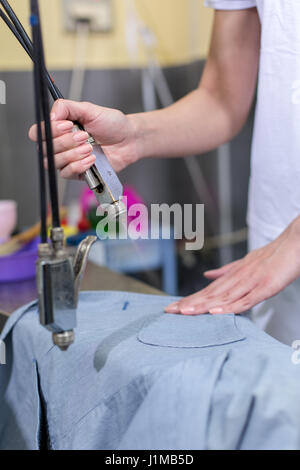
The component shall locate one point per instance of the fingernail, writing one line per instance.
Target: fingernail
(216, 311)
(173, 308)
(84, 149)
(188, 310)
(65, 126)
(52, 116)
(174, 304)
(80, 136)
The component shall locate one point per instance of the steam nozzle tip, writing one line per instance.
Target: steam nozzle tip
(64, 340)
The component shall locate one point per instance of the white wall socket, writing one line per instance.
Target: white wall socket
(97, 12)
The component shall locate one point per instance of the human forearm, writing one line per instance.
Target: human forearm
(215, 112)
(197, 123)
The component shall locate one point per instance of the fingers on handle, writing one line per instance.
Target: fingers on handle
(59, 128)
(71, 156)
(75, 169)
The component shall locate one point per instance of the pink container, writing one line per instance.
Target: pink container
(8, 219)
(88, 200)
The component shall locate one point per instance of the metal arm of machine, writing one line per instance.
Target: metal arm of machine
(58, 283)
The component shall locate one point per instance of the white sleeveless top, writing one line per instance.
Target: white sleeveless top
(275, 171)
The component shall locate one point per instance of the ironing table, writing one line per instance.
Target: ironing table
(136, 378)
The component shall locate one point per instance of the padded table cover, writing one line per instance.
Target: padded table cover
(137, 378)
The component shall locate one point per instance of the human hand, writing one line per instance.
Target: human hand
(110, 128)
(241, 285)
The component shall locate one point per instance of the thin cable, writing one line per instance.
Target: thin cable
(15, 20)
(40, 65)
(19, 32)
(26, 43)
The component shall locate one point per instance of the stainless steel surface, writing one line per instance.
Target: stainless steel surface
(63, 340)
(58, 241)
(58, 283)
(80, 261)
(44, 251)
(91, 179)
(102, 179)
(56, 294)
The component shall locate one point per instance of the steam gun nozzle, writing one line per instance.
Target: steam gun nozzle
(58, 281)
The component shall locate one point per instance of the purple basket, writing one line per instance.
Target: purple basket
(21, 265)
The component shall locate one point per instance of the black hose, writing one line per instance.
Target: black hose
(42, 176)
(42, 97)
(17, 29)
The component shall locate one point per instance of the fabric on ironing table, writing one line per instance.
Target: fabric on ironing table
(137, 378)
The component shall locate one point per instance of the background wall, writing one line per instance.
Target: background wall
(182, 28)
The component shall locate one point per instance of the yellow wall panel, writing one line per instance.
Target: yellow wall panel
(182, 28)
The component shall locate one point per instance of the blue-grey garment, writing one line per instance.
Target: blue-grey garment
(137, 378)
